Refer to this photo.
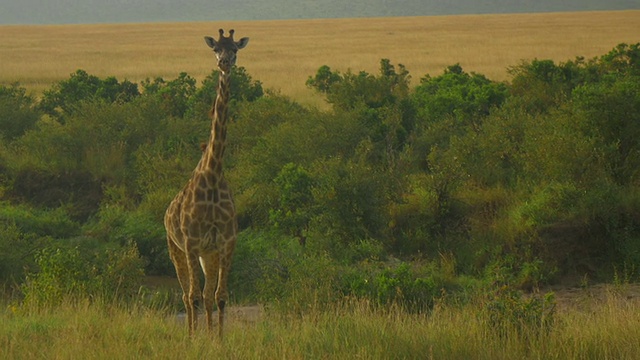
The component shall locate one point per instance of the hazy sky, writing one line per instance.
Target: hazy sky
(122, 11)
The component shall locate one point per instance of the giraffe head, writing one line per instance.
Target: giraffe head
(225, 49)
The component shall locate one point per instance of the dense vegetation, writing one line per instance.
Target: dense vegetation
(397, 194)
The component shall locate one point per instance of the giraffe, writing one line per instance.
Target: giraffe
(201, 220)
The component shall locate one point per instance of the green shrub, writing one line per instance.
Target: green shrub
(17, 252)
(467, 97)
(613, 225)
(509, 313)
(609, 112)
(349, 90)
(554, 202)
(17, 111)
(165, 164)
(261, 266)
(65, 96)
(243, 89)
(413, 287)
(271, 268)
(173, 95)
(55, 223)
(351, 197)
(522, 177)
(110, 273)
(428, 217)
(294, 208)
(380, 103)
(261, 154)
(149, 236)
(116, 225)
(623, 59)
(308, 282)
(363, 250)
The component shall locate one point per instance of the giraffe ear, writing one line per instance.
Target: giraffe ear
(210, 41)
(242, 43)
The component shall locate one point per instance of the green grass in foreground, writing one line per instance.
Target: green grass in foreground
(355, 331)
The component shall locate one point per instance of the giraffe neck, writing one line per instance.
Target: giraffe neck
(217, 140)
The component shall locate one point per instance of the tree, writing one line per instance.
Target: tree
(465, 97)
(174, 95)
(65, 96)
(243, 88)
(295, 204)
(349, 90)
(17, 111)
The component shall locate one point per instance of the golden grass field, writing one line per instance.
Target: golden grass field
(283, 54)
(605, 329)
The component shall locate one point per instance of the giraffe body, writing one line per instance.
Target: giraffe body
(201, 220)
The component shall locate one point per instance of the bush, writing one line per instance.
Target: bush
(610, 114)
(66, 95)
(114, 224)
(509, 313)
(55, 223)
(17, 111)
(350, 197)
(243, 89)
(349, 90)
(42, 188)
(111, 273)
(17, 252)
(467, 97)
(414, 288)
(307, 282)
(293, 211)
(528, 176)
(260, 154)
(174, 95)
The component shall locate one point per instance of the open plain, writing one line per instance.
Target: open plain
(283, 54)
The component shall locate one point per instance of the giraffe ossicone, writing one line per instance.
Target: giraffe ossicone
(201, 220)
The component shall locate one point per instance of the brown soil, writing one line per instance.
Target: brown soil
(568, 298)
(243, 314)
(593, 296)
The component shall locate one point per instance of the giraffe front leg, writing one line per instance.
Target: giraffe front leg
(221, 302)
(179, 260)
(189, 308)
(210, 268)
(194, 293)
(222, 294)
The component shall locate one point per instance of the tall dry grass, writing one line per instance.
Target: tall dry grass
(282, 54)
(353, 330)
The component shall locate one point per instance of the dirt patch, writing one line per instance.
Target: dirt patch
(568, 298)
(247, 314)
(589, 297)
(242, 314)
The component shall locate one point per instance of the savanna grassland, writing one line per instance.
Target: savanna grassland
(606, 329)
(284, 53)
(456, 187)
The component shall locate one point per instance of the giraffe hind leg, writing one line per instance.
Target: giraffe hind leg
(194, 290)
(179, 259)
